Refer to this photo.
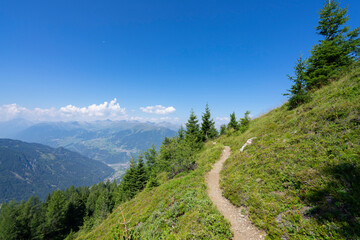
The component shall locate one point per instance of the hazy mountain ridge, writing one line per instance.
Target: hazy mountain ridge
(106, 141)
(35, 169)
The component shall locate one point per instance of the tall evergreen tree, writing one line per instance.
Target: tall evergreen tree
(244, 122)
(233, 124)
(192, 133)
(338, 49)
(129, 183)
(181, 133)
(208, 130)
(222, 129)
(298, 93)
(150, 157)
(9, 227)
(56, 216)
(141, 175)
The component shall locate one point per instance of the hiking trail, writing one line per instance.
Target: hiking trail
(241, 226)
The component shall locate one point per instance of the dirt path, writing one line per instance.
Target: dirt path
(240, 224)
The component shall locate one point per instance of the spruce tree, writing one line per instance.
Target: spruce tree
(181, 133)
(337, 50)
(192, 132)
(213, 132)
(141, 175)
(298, 93)
(208, 130)
(233, 124)
(244, 122)
(129, 183)
(150, 157)
(222, 129)
(55, 216)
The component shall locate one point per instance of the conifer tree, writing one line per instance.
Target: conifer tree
(56, 216)
(222, 129)
(233, 124)
(181, 133)
(337, 50)
(192, 133)
(298, 93)
(104, 204)
(9, 229)
(150, 157)
(75, 211)
(141, 175)
(208, 129)
(129, 184)
(244, 122)
(213, 132)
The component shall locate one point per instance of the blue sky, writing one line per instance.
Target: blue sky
(182, 54)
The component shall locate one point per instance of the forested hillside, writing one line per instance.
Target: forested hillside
(28, 169)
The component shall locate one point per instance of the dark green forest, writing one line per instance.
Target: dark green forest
(30, 168)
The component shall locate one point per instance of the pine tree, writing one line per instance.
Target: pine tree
(129, 183)
(104, 204)
(56, 216)
(213, 132)
(298, 93)
(222, 129)
(9, 228)
(208, 129)
(141, 175)
(192, 133)
(337, 50)
(233, 124)
(245, 121)
(181, 133)
(75, 211)
(150, 157)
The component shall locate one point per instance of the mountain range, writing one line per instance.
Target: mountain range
(34, 169)
(111, 142)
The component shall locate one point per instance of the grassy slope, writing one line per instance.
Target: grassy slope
(301, 177)
(299, 180)
(177, 209)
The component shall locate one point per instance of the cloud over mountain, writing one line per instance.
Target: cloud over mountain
(106, 110)
(158, 109)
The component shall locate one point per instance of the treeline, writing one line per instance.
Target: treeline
(235, 126)
(64, 212)
(337, 51)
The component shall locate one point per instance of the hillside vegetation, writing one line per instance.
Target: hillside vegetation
(300, 177)
(178, 209)
(298, 180)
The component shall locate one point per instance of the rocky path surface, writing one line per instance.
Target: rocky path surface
(240, 224)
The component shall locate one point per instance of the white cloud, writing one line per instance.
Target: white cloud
(222, 119)
(102, 111)
(11, 111)
(158, 109)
